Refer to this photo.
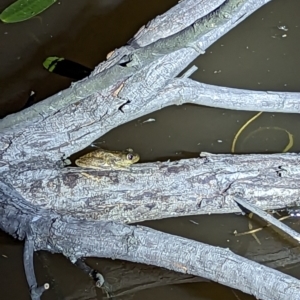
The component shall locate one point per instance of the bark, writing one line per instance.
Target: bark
(61, 210)
(209, 184)
(145, 245)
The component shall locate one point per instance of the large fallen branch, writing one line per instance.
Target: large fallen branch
(149, 191)
(59, 209)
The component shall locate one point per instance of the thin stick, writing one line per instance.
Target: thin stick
(267, 217)
(260, 228)
(35, 290)
(189, 72)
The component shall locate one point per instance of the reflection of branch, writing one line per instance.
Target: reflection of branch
(280, 257)
(137, 277)
(57, 270)
(121, 278)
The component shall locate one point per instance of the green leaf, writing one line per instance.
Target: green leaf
(24, 9)
(50, 62)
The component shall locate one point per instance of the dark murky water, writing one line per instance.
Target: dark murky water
(254, 56)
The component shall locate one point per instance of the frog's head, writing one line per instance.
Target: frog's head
(130, 157)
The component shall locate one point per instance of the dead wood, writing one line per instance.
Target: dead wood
(59, 210)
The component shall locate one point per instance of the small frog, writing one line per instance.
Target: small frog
(104, 159)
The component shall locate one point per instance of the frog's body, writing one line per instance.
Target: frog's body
(104, 159)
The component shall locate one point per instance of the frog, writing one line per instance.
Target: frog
(101, 159)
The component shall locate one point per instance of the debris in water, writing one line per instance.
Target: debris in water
(194, 222)
(149, 120)
(284, 28)
(96, 144)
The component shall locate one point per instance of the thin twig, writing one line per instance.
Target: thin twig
(267, 217)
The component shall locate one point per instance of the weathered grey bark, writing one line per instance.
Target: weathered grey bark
(208, 184)
(136, 277)
(58, 209)
(145, 245)
(153, 65)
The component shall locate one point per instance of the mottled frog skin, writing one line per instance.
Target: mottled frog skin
(105, 159)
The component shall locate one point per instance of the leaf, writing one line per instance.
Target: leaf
(24, 9)
(50, 62)
(66, 67)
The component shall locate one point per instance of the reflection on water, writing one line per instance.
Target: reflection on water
(247, 57)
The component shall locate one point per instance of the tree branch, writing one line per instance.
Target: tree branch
(145, 245)
(60, 208)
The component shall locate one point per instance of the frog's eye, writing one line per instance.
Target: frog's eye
(129, 156)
